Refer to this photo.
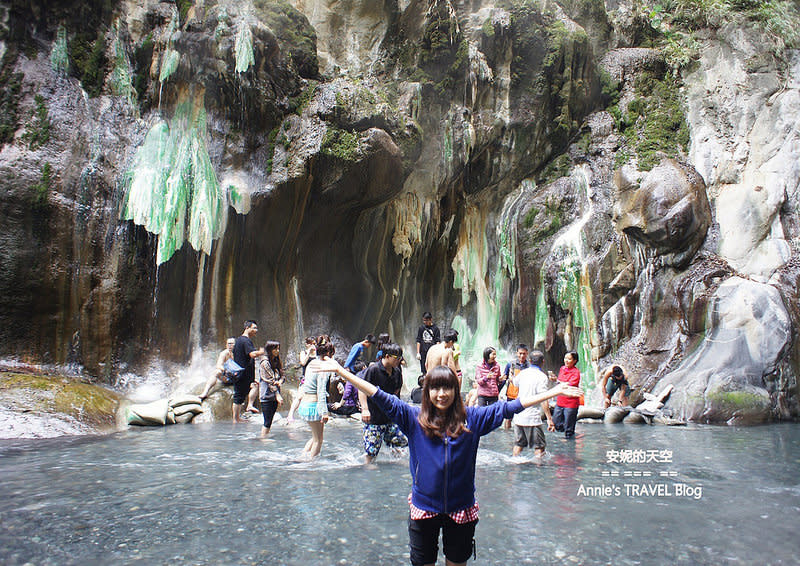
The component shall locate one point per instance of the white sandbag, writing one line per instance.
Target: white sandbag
(154, 413)
(134, 419)
(585, 412)
(187, 399)
(183, 409)
(185, 418)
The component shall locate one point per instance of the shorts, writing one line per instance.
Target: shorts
(268, 408)
(423, 539)
(376, 434)
(241, 389)
(612, 387)
(308, 412)
(529, 436)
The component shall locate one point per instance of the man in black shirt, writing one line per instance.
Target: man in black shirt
(387, 375)
(427, 336)
(244, 352)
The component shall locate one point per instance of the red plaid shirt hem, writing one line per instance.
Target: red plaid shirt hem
(460, 517)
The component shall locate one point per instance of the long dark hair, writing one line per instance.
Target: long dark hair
(454, 420)
(274, 358)
(486, 353)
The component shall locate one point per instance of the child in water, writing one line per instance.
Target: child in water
(443, 438)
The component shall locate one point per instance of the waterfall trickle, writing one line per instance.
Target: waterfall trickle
(484, 275)
(572, 290)
(298, 311)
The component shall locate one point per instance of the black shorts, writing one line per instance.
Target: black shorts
(241, 389)
(423, 539)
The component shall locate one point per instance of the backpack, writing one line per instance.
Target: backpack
(233, 372)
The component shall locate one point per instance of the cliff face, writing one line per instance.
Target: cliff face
(574, 175)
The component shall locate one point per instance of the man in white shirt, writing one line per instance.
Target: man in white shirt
(528, 427)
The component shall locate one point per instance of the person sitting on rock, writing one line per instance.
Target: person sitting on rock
(220, 375)
(614, 379)
(348, 404)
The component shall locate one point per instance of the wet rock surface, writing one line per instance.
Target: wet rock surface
(44, 406)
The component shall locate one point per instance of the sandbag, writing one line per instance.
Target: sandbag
(154, 413)
(185, 418)
(585, 412)
(635, 418)
(615, 414)
(187, 399)
(134, 419)
(183, 409)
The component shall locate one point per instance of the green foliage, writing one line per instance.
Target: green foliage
(655, 122)
(341, 144)
(41, 190)
(37, 131)
(456, 71)
(487, 28)
(299, 103)
(293, 31)
(675, 21)
(87, 54)
(10, 92)
(551, 220)
(530, 218)
(609, 88)
(555, 169)
(183, 9)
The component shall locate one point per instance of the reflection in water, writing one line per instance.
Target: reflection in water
(215, 494)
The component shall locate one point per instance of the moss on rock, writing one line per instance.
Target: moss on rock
(654, 124)
(85, 402)
(341, 144)
(295, 34)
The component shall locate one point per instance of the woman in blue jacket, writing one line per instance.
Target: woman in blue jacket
(443, 438)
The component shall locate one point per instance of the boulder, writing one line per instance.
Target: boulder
(667, 210)
(748, 333)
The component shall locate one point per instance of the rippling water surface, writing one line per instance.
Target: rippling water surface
(215, 494)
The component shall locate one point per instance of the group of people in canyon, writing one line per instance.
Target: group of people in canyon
(442, 431)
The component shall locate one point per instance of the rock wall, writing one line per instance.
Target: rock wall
(554, 173)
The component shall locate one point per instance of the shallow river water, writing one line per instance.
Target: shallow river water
(215, 494)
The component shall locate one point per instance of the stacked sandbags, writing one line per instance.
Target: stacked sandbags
(175, 410)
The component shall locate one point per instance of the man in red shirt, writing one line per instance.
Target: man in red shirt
(566, 412)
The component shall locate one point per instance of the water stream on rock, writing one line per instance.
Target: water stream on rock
(215, 494)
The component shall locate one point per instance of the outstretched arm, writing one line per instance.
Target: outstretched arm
(559, 389)
(362, 385)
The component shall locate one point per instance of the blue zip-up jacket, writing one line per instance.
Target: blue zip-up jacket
(443, 471)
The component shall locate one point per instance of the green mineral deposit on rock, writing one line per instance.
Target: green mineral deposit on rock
(59, 56)
(172, 187)
(244, 49)
(169, 64)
